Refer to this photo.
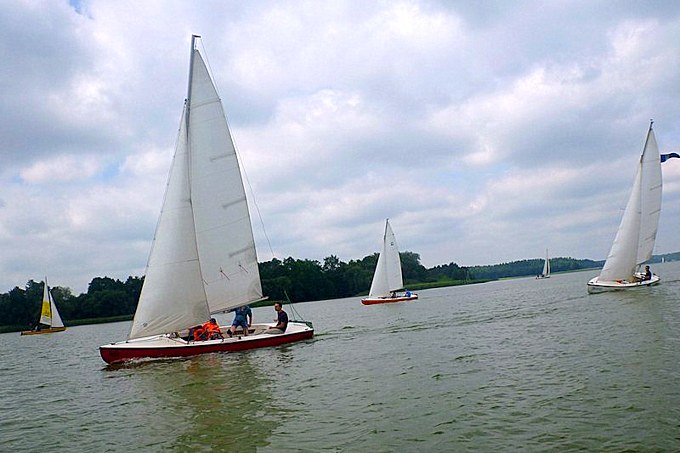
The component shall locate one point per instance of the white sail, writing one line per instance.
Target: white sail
(651, 198)
(636, 235)
(49, 315)
(56, 319)
(224, 234)
(203, 257)
(387, 276)
(546, 265)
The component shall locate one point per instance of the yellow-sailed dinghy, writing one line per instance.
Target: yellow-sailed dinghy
(50, 321)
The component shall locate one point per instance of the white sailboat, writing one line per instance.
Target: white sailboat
(387, 279)
(50, 321)
(203, 259)
(546, 267)
(636, 235)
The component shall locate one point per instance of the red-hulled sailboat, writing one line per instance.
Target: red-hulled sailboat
(203, 257)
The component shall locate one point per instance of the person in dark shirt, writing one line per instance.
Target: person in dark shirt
(648, 274)
(281, 320)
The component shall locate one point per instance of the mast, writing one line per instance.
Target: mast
(191, 76)
(190, 159)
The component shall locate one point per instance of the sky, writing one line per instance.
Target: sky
(486, 131)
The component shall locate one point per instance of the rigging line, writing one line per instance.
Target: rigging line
(257, 207)
(293, 311)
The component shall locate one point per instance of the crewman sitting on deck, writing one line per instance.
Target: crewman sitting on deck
(212, 330)
(198, 333)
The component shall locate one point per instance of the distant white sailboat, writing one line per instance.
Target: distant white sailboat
(50, 321)
(203, 259)
(636, 235)
(546, 267)
(387, 278)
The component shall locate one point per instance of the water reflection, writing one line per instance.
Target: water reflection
(213, 402)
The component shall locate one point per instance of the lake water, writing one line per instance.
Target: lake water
(515, 365)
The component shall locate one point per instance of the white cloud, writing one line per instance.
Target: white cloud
(484, 132)
(62, 168)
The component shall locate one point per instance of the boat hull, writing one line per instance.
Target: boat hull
(43, 331)
(167, 346)
(595, 286)
(387, 300)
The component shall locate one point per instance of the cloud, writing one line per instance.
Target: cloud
(485, 132)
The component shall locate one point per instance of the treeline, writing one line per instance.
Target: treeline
(299, 280)
(105, 298)
(523, 268)
(305, 280)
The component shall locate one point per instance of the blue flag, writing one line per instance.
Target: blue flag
(665, 157)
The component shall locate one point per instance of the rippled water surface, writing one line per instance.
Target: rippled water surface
(516, 365)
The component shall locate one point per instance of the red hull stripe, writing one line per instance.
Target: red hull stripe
(387, 300)
(117, 355)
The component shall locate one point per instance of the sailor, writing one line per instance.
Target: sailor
(212, 330)
(198, 333)
(281, 320)
(243, 317)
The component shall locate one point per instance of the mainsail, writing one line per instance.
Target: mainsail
(636, 235)
(203, 257)
(387, 276)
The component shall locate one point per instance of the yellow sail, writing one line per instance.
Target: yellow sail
(46, 311)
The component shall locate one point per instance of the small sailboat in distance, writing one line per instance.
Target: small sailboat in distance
(203, 259)
(546, 267)
(387, 278)
(49, 321)
(636, 235)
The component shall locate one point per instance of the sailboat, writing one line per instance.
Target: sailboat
(49, 321)
(636, 235)
(203, 259)
(546, 267)
(387, 279)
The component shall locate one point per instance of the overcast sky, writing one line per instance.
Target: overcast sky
(486, 131)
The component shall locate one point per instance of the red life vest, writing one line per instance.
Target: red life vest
(200, 334)
(212, 330)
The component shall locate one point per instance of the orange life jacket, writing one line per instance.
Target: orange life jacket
(200, 334)
(212, 330)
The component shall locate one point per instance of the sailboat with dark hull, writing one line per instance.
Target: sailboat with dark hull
(203, 259)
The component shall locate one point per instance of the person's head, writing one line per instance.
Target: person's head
(213, 321)
(277, 306)
(646, 268)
